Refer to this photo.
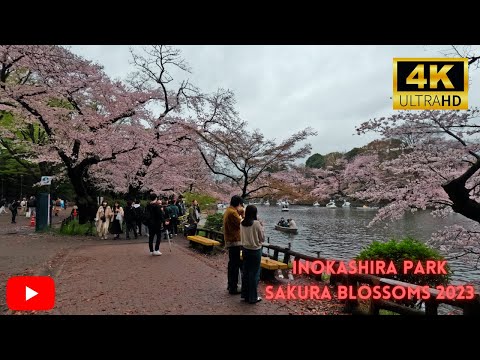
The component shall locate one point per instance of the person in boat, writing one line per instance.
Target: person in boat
(282, 222)
(291, 224)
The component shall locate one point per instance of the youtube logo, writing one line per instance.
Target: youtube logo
(30, 293)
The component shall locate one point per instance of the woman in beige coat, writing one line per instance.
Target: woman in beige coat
(103, 217)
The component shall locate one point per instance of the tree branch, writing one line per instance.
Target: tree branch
(17, 158)
(259, 188)
(213, 170)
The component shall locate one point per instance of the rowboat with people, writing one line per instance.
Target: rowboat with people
(288, 226)
(286, 229)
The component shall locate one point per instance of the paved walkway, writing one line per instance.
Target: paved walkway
(95, 276)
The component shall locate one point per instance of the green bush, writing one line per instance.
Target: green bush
(74, 228)
(214, 222)
(406, 249)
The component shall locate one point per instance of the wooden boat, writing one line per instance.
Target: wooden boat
(365, 207)
(286, 229)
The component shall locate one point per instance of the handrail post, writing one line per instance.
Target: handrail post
(351, 304)
(431, 307)
(275, 254)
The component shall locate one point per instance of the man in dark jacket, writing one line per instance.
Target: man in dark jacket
(32, 205)
(172, 210)
(138, 211)
(13, 209)
(155, 221)
(130, 220)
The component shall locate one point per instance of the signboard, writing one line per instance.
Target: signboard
(46, 180)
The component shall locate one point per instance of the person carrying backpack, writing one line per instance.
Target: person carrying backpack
(181, 207)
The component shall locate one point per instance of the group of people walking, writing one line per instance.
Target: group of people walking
(134, 218)
(164, 219)
(243, 233)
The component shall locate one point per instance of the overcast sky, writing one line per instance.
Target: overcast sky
(283, 89)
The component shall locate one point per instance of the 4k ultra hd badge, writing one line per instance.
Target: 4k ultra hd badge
(430, 84)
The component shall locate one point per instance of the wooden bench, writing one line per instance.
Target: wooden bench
(211, 234)
(268, 267)
(207, 244)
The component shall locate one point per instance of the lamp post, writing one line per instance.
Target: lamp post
(2, 187)
(21, 187)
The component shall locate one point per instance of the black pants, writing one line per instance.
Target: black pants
(174, 225)
(131, 226)
(234, 264)
(152, 231)
(14, 215)
(251, 274)
(139, 224)
(190, 229)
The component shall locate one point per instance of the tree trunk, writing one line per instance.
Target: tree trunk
(462, 204)
(87, 209)
(133, 192)
(85, 198)
(244, 188)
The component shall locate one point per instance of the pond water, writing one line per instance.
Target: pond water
(341, 233)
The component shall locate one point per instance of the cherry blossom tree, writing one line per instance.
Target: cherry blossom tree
(361, 173)
(346, 177)
(87, 118)
(173, 170)
(230, 150)
(437, 170)
(293, 183)
(176, 106)
(330, 181)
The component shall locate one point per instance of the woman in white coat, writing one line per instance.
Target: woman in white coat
(103, 217)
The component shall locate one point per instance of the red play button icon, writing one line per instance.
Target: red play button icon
(30, 293)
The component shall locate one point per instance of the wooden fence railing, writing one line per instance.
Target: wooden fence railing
(469, 307)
